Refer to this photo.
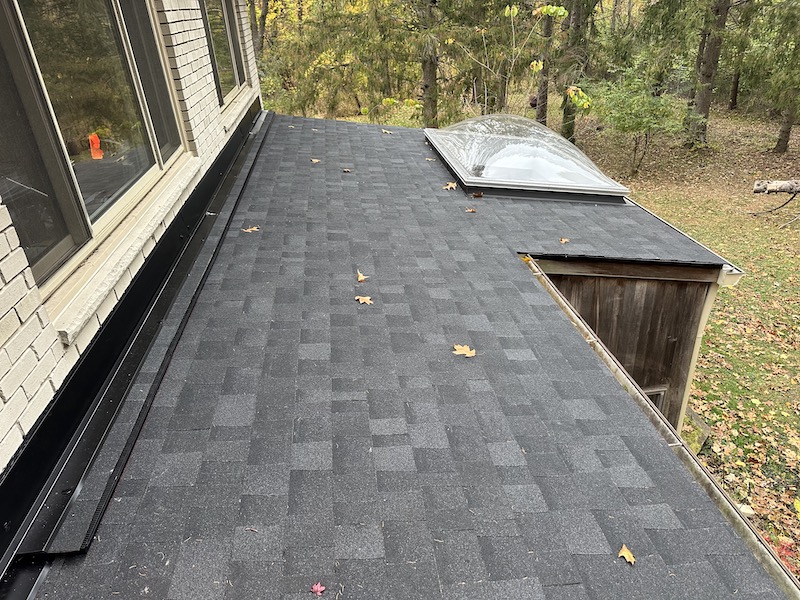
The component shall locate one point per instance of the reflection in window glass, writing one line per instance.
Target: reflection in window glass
(82, 63)
(24, 184)
(220, 41)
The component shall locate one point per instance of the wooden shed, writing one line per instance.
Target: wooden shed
(650, 315)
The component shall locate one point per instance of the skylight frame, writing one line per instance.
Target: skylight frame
(441, 140)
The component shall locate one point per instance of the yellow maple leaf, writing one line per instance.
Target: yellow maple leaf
(564, 240)
(471, 210)
(360, 277)
(526, 259)
(451, 185)
(797, 506)
(315, 160)
(626, 554)
(364, 299)
(463, 350)
(252, 229)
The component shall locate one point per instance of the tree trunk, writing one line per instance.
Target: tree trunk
(698, 125)
(300, 17)
(614, 10)
(787, 121)
(568, 123)
(430, 85)
(544, 74)
(251, 8)
(698, 63)
(733, 100)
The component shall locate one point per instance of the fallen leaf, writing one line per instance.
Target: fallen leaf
(471, 210)
(346, 171)
(451, 185)
(291, 126)
(430, 159)
(364, 299)
(252, 229)
(526, 259)
(477, 194)
(317, 588)
(564, 240)
(386, 131)
(312, 129)
(626, 554)
(463, 350)
(797, 506)
(315, 160)
(360, 277)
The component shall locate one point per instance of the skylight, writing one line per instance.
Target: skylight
(514, 153)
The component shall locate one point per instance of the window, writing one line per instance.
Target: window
(221, 27)
(82, 61)
(34, 182)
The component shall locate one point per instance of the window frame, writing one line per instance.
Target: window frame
(30, 83)
(234, 47)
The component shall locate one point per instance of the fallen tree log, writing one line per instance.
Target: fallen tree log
(767, 186)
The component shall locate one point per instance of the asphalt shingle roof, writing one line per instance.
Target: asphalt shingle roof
(299, 436)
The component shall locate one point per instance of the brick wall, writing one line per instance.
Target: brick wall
(29, 346)
(35, 355)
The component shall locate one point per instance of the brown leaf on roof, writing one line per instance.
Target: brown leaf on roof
(252, 229)
(626, 554)
(564, 240)
(364, 299)
(450, 185)
(477, 194)
(315, 160)
(471, 210)
(463, 350)
(360, 277)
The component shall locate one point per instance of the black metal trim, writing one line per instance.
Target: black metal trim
(40, 463)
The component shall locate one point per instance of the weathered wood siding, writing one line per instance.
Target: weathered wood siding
(649, 325)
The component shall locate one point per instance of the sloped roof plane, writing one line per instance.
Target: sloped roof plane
(299, 436)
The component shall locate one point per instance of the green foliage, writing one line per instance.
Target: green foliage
(630, 107)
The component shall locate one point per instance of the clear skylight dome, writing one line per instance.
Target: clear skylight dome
(511, 152)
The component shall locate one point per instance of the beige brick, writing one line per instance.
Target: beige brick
(11, 293)
(43, 317)
(17, 374)
(22, 339)
(64, 366)
(123, 283)
(47, 339)
(12, 237)
(29, 304)
(13, 264)
(5, 362)
(9, 323)
(36, 407)
(5, 247)
(29, 277)
(11, 410)
(9, 446)
(106, 306)
(86, 335)
(40, 374)
(5, 217)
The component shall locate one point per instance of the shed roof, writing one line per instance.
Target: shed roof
(300, 436)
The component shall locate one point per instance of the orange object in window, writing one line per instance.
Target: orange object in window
(94, 146)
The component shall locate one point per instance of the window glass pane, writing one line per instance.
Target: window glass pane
(151, 74)
(237, 50)
(25, 187)
(221, 44)
(82, 63)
